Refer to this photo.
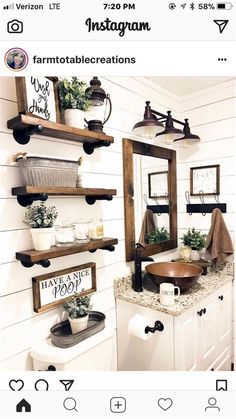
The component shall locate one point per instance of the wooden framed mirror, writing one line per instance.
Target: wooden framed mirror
(139, 161)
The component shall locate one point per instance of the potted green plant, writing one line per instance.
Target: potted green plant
(78, 311)
(74, 100)
(157, 235)
(41, 219)
(195, 241)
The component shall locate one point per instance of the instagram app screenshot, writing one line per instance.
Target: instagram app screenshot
(117, 209)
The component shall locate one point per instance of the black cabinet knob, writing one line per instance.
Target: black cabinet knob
(221, 297)
(201, 312)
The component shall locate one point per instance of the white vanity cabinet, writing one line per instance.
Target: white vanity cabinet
(197, 340)
(203, 333)
(135, 354)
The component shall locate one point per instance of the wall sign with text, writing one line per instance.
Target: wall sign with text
(205, 180)
(37, 96)
(158, 184)
(50, 290)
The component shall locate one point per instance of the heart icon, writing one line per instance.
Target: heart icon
(16, 385)
(165, 404)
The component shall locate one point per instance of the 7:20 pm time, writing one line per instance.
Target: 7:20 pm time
(118, 6)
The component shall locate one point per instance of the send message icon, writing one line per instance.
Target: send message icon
(221, 385)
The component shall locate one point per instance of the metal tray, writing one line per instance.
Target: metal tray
(62, 337)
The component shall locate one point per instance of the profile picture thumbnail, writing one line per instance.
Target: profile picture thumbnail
(16, 59)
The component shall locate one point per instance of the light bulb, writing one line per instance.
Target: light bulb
(168, 139)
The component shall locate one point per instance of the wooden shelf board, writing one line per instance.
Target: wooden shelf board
(27, 190)
(33, 256)
(201, 262)
(55, 130)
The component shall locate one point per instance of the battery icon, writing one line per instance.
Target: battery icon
(225, 6)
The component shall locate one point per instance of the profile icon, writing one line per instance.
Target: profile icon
(16, 59)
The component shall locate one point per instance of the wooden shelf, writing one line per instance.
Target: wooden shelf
(25, 125)
(26, 195)
(29, 257)
(27, 190)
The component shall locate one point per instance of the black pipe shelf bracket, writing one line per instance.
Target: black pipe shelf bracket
(22, 136)
(110, 248)
(205, 208)
(159, 209)
(45, 263)
(90, 147)
(26, 200)
(91, 199)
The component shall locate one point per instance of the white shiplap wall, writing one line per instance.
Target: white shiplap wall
(212, 112)
(20, 326)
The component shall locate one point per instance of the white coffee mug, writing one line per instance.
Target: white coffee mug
(167, 294)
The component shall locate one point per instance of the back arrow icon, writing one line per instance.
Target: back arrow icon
(221, 24)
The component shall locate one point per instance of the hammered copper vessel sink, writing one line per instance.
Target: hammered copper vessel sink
(183, 275)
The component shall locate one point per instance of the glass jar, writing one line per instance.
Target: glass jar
(81, 232)
(185, 253)
(64, 235)
(96, 230)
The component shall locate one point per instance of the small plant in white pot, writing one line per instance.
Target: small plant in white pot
(74, 100)
(41, 219)
(196, 242)
(78, 310)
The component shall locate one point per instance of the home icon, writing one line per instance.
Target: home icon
(23, 405)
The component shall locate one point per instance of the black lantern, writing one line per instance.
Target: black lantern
(96, 116)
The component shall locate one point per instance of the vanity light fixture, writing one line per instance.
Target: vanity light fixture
(96, 116)
(170, 133)
(152, 126)
(188, 138)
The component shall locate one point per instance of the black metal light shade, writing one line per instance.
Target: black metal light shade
(149, 126)
(170, 133)
(99, 98)
(188, 138)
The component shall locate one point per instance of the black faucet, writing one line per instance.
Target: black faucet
(137, 276)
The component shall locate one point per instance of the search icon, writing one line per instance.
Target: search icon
(70, 404)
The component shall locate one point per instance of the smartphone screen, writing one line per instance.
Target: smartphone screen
(117, 209)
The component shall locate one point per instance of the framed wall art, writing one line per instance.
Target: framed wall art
(37, 96)
(205, 180)
(50, 290)
(158, 184)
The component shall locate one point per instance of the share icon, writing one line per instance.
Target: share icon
(221, 24)
(67, 384)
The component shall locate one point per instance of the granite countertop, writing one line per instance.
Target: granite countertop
(205, 286)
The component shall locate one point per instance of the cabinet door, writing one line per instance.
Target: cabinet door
(224, 316)
(223, 361)
(186, 338)
(135, 354)
(207, 332)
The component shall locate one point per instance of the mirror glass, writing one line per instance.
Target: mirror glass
(150, 198)
(151, 192)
